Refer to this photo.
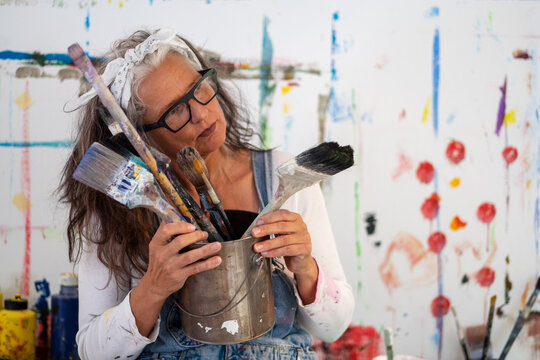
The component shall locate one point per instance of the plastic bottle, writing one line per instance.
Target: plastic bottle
(42, 320)
(17, 330)
(65, 319)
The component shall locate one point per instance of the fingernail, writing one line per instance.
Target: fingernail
(215, 246)
(205, 234)
(258, 247)
(216, 260)
(256, 231)
(191, 227)
(260, 222)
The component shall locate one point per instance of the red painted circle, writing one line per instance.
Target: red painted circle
(436, 242)
(485, 276)
(510, 154)
(455, 151)
(440, 306)
(486, 212)
(430, 207)
(425, 172)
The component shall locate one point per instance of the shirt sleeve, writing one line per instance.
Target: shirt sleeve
(107, 328)
(331, 312)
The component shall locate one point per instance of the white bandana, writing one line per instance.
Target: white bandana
(119, 71)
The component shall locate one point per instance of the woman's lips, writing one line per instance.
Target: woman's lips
(209, 130)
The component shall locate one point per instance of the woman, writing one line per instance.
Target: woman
(128, 269)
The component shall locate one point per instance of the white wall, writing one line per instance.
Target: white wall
(383, 60)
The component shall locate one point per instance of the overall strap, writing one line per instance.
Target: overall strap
(262, 172)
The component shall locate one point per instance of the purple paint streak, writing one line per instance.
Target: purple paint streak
(502, 109)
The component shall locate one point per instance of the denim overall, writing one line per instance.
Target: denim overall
(286, 340)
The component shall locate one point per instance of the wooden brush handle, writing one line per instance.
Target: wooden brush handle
(85, 65)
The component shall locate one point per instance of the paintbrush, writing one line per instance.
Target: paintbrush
(461, 335)
(489, 324)
(84, 64)
(523, 315)
(389, 343)
(195, 170)
(304, 170)
(124, 180)
(120, 144)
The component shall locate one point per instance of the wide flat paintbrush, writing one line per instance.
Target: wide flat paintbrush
(120, 144)
(523, 315)
(83, 63)
(195, 170)
(124, 180)
(304, 170)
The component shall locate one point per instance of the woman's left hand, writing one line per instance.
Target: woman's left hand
(292, 240)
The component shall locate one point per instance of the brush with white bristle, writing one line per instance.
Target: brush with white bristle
(124, 180)
(304, 170)
(120, 144)
(195, 170)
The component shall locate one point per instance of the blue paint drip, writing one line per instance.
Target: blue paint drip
(436, 73)
(451, 118)
(87, 20)
(151, 2)
(432, 12)
(266, 62)
(50, 144)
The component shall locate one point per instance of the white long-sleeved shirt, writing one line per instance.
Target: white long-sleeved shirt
(107, 327)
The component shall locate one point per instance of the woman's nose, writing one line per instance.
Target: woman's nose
(199, 112)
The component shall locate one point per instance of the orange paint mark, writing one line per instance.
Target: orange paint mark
(524, 296)
(455, 182)
(244, 66)
(457, 223)
(21, 202)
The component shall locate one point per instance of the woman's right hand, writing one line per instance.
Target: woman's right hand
(168, 269)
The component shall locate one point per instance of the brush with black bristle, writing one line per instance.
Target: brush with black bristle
(522, 318)
(120, 144)
(125, 181)
(304, 170)
(195, 170)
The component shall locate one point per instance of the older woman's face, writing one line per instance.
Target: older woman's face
(169, 82)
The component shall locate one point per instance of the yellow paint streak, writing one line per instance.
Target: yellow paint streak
(21, 202)
(455, 182)
(286, 109)
(285, 89)
(528, 184)
(427, 113)
(107, 315)
(510, 117)
(24, 101)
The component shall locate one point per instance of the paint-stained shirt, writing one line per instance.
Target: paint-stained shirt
(107, 327)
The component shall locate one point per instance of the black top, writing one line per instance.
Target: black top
(17, 303)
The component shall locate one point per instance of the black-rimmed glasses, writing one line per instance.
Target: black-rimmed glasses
(178, 114)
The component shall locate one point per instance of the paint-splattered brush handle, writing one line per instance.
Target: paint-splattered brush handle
(84, 64)
(193, 207)
(523, 315)
(215, 216)
(489, 324)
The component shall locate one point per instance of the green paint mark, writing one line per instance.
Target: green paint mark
(52, 232)
(357, 219)
(490, 17)
(267, 86)
(359, 286)
(492, 236)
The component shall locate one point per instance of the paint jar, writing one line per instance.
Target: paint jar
(234, 302)
(17, 330)
(65, 318)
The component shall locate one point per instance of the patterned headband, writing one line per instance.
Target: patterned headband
(119, 72)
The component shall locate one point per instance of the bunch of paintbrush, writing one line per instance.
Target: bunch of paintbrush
(84, 64)
(125, 180)
(304, 170)
(522, 318)
(195, 170)
(121, 145)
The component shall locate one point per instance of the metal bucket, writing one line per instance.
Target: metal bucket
(234, 302)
